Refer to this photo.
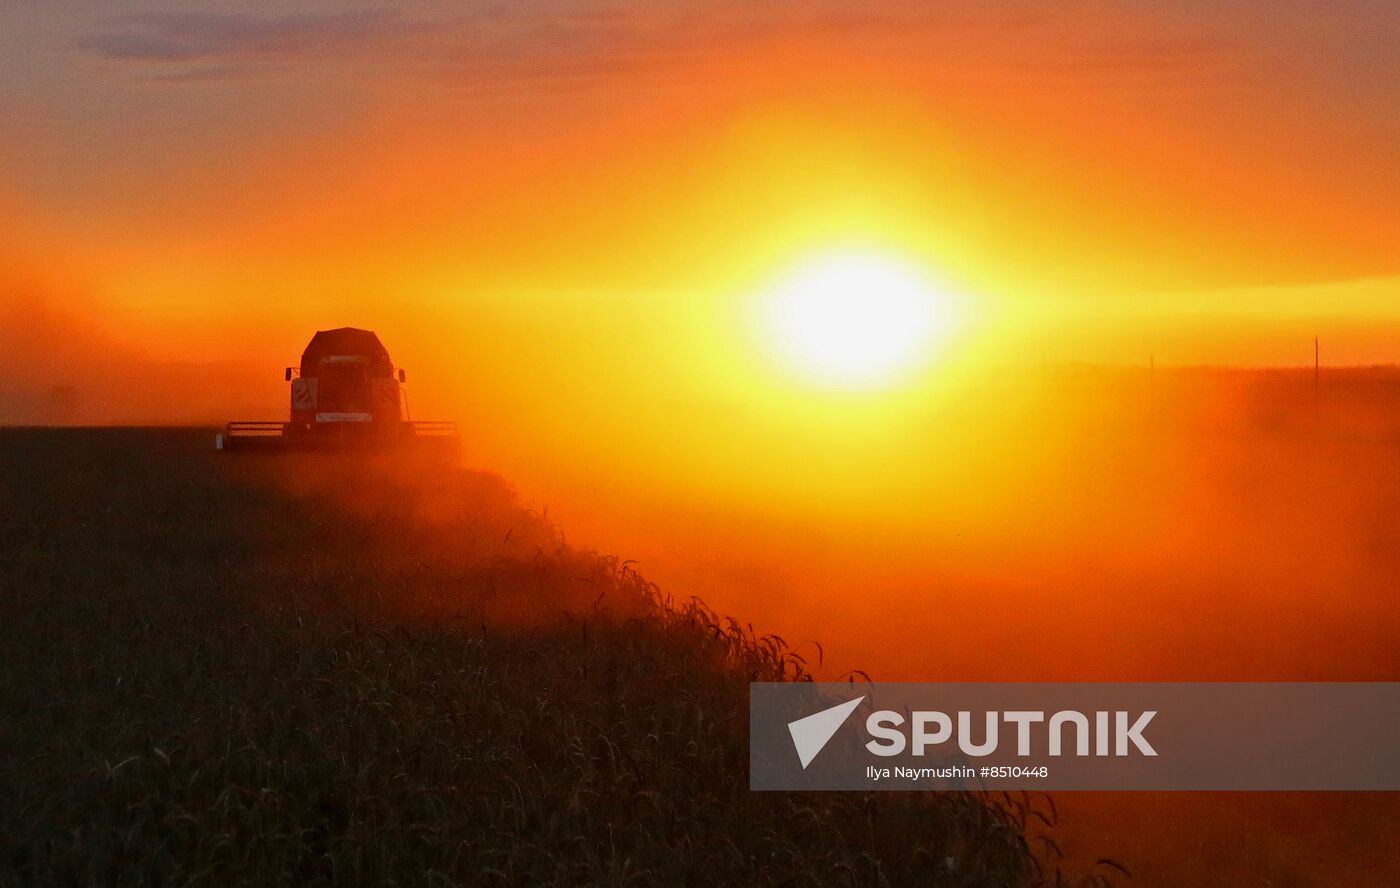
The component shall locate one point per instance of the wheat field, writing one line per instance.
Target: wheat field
(274, 670)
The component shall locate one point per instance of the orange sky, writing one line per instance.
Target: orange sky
(556, 214)
(559, 216)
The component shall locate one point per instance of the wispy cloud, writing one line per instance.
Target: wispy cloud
(212, 37)
(574, 42)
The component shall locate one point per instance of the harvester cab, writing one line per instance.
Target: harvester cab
(346, 393)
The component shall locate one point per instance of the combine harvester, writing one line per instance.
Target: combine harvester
(345, 395)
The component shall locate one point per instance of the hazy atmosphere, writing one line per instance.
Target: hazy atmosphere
(562, 216)
(1122, 402)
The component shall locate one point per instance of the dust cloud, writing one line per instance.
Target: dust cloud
(1095, 525)
(1098, 525)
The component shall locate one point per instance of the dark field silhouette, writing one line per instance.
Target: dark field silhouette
(1079, 524)
(335, 671)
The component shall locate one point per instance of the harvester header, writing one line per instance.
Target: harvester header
(346, 393)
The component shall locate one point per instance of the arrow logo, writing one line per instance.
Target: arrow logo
(811, 733)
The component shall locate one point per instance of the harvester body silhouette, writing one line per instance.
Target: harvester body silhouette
(346, 394)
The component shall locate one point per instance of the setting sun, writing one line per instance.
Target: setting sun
(855, 320)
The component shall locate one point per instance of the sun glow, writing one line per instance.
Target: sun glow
(855, 320)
